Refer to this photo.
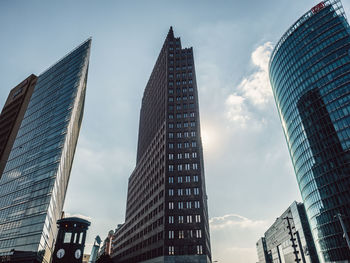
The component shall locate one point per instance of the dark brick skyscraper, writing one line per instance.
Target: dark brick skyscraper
(167, 214)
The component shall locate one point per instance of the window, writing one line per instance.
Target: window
(190, 81)
(180, 205)
(191, 97)
(171, 205)
(171, 180)
(184, 90)
(171, 83)
(171, 55)
(198, 218)
(171, 250)
(189, 219)
(171, 146)
(192, 114)
(171, 156)
(171, 76)
(178, 116)
(171, 135)
(184, 98)
(195, 178)
(179, 167)
(188, 179)
(187, 155)
(191, 106)
(171, 116)
(196, 204)
(195, 166)
(193, 133)
(181, 234)
(181, 219)
(171, 192)
(187, 166)
(185, 115)
(188, 190)
(186, 145)
(198, 233)
(178, 98)
(194, 144)
(196, 191)
(178, 135)
(171, 234)
(171, 168)
(171, 91)
(171, 99)
(171, 125)
(179, 192)
(188, 205)
(179, 179)
(194, 155)
(67, 237)
(178, 107)
(185, 124)
(190, 89)
(171, 219)
(193, 124)
(179, 145)
(185, 134)
(179, 156)
(178, 125)
(199, 250)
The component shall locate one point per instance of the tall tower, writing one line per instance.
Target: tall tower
(310, 73)
(35, 177)
(167, 214)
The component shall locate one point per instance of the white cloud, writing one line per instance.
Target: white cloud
(233, 238)
(254, 91)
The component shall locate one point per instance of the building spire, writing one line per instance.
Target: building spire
(170, 33)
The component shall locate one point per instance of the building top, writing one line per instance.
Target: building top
(337, 7)
(73, 220)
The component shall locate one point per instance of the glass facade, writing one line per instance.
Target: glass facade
(33, 184)
(309, 74)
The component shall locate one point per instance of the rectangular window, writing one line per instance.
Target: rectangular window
(171, 219)
(171, 156)
(178, 116)
(179, 156)
(171, 135)
(181, 219)
(194, 144)
(171, 146)
(185, 124)
(179, 192)
(198, 218)
(171, 168)
(179, 145)
(192, 114)
(171, 250)
(199, 250)
(196, 191)
(178, 135)
(181, 234)
(171, 99)
(171, 234)
(195, 178)
(171, 125)
(178, 125)
(171, 180)
(188, 179)
(171, 192)
(186, 145)
(193, 124)
(185, 115)
(188, 205)
(179, 167)
(187, 166)
(189, 219)
(188, 190)
(195, 166)
(179, 179)
(171, 205)
(171, 116)
(198, 233)
(180, 205)
(187, 155)
(185, 134)
(196, 204)
(194, 155)
(193, 133)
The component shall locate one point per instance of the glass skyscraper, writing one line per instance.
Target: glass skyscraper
(166, 213)
(34, 181)
(310, 77)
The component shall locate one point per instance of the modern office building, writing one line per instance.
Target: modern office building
(262, 251)
(42, 139)
(167, 215)
(289, 239)
(310, 77)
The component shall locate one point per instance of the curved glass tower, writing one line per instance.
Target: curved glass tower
(310, 77)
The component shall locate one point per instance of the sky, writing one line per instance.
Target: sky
(249, 175)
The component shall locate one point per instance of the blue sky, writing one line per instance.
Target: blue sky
(250, 179)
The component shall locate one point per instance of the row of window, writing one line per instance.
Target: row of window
(184, 67)
(187, 167)
(178, 75)
(188, 204)
(179, 125)
(179, 134)
(180, 156)
(199, 250)
(178, 83)
(180, 144)
(180, 107)
(189, 234)
(178, 90)
(187, 179)
(171, 99)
